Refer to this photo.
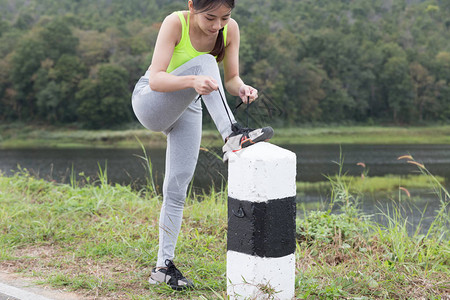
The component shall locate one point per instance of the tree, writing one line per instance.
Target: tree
(26, 61)
(442, 62)
(24, 21)
(337, 105)
(308, 91)
(6, 103)
(58, 39)
(56, 87)
(442, 92)
(397, 86)
(4, 27)
(9, 42)
(423, 86)
(320, 60)
(93, 47)
(105, 101)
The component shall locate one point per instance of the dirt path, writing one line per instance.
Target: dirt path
(13, 287)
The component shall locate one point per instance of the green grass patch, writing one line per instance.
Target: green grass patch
(372, 184)
(26, 136)
(364, 135)
(101, 240)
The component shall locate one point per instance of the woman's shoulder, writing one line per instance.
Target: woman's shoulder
(173, 18)
(172, 27)
(176, 15)
(233, 24)
(232, 30)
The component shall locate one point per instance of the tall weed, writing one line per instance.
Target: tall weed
(147, 164)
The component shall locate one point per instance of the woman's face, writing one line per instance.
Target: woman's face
(211, 21)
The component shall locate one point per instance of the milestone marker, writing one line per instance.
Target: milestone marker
(261, 222)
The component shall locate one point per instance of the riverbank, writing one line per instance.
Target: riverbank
(26, 136)
(374, 184)
(101, 241)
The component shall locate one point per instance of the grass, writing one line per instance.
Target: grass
(347, 256)
(26, 136)
(103, 239)
(100, 240)
(364, 135)
(372, 184)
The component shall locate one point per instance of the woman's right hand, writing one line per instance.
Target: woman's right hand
(204, 85)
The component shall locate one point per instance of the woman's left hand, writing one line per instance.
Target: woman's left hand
(247, 92)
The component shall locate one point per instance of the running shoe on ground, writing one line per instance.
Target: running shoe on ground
(243, 137)
(170, 275)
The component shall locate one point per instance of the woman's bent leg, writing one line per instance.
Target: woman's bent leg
(183, 144)
(176, 115)
(157, 111)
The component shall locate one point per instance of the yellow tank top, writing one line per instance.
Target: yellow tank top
(184, 51)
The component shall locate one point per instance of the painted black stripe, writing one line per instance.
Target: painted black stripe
(265, 229)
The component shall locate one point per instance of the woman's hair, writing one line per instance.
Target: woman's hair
(205, 5)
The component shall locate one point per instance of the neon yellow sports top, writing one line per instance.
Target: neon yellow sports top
(184, 51)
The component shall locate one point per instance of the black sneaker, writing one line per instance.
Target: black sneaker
(172, 276)
(243, 137)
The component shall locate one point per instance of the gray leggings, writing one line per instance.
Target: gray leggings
(179, 116)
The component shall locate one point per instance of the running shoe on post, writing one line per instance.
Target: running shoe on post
(243, 137)
(170, 275)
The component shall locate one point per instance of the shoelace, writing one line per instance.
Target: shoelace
(173, 272)
(246, 108)
(237, 129)
(225, 106)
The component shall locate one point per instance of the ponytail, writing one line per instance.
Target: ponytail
(219, 47)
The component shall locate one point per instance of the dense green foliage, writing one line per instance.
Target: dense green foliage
(319, 61)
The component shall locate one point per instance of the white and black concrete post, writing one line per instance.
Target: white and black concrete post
(261, 222)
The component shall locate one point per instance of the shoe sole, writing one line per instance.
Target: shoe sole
(248, 142)
(177, 288)
(151, 281)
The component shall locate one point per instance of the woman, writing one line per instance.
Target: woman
(184, 69)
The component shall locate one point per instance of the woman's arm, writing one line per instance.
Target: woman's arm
(233, 82)
(168, 37)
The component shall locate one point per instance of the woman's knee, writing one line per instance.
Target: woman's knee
(146, 119)
(151, 124)
(177, 182)
(208, 58)
(175, 198)
(206, 61)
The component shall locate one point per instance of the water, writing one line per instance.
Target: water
(316, 160)
(123, 166)
(313, 162)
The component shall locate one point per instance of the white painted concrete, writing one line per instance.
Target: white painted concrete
(262, 172)
(247, 274)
